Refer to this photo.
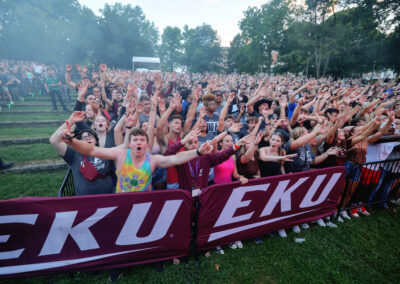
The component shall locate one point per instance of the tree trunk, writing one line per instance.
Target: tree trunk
(326, 64)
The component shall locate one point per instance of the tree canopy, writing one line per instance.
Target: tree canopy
(320, 37)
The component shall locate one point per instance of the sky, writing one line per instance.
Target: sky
(222, 15)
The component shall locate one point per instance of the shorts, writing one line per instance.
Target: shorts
(353, 171)
(173, 186)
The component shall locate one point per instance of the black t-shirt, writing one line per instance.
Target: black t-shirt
(82, 185)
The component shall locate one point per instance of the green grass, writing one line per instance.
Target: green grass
(36, 116)
(364, 250)
(361, 251)
(30, 184)
(18, 132)
(26, 153)
(31, 117)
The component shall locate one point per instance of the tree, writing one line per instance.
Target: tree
(263, 31)
(171, 48)
(202, 49)
(126, 33)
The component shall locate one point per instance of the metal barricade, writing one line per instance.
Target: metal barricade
(67, 187)
(371, 183)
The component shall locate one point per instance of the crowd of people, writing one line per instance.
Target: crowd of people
(256, 126)
(142, 131)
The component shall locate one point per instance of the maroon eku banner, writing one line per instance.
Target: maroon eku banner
(233, 212)
(42, 235)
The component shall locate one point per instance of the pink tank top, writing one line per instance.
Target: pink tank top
(223, 172)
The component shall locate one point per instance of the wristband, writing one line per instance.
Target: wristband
(229, 133)
(236, 146)
(198, 152)
(128, 127)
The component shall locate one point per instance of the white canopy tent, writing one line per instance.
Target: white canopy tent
(145, 61)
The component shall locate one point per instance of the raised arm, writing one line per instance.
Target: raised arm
(296, 112)
(158, 161)
(152, 122)
(224, 111)
(270, 158)
(57, 139)
(305, 139)
(373, 138)
(192, 110)
(68, 69)
(94, 151)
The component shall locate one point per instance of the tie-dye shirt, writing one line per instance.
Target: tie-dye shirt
(131, 179)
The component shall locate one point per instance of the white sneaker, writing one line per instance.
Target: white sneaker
(239, 244)
(305, 226)
(397, 201)
(11, 103)
(219, 250)
(345, 215)
(233, 246)
(296, 229)
(321, 223)
(340, 220)
(331, 225)
(282, 233)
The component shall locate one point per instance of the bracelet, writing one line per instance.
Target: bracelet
(128, 127)
(198, 152)
(236, 146)
(229, 133)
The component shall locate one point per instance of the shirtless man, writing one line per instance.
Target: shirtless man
(134, 165)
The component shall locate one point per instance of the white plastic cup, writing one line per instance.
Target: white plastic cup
(299, 240)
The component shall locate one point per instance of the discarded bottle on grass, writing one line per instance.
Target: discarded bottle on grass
(299, 240)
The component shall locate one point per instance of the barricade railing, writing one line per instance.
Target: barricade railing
(371, 183)
(67, 187)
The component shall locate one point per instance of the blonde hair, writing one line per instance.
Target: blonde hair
(108, 122)
(297, 132)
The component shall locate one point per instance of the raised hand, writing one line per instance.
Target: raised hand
(289, 158)
(82, 88)
(84, 69)
(258, 137)
(245, 140)
(230, 98)
(78, 67)
(206, 148)
(103, 67)
(76, 116)
(130, 120)
(154, 101)
(333, 151)
(132, 89)
(132, 106)
(161, 106)
(235, 127)
(192, 135)
(67, 134)
(68, 68)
